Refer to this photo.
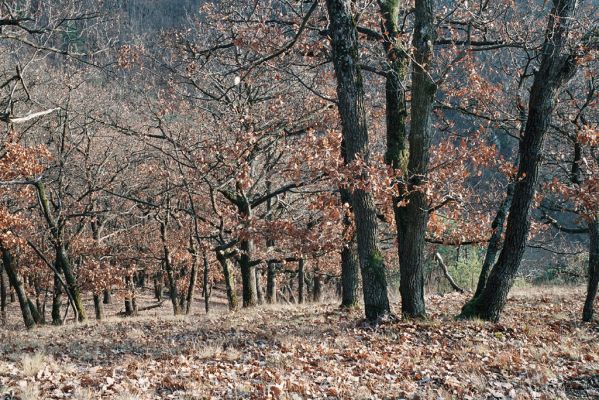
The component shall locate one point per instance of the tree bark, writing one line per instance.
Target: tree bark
(556, 68)
(62, 259)
(168, 267)
(350, 271)
(56, 300)
(259, 291)
(206, 284)
(193, 276)
(17, 284)
(593, 282)
(98, 307)
(350, 94)
(271, 283)
(248, 274)
(317, 294)
(3, 293)
(495, 240)
(229, 280)
(107, 297)
(301, 275)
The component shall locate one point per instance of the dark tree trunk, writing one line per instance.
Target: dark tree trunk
(62, 259)
(556, 68)
(3, 292)
(17, 284)
(107, 296)
(130, 301)
(229, 280)
(158, 286)
(350, 94)
(412, 218)
(301, 275)
(495, 240)
(193, 276)
(271, 283)
(248, 274)
(57, 300)
(593, 283)
(350, 270)
(206, 284)
(98, 307)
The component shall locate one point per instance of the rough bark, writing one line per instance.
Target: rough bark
(206, 284)
(107, 297)
(350, 270)
(56, 301)
(350, 94)
(593, 280)
(3, 293)
(412, 218)
(495, 240)
(556, 68)
(317, 293)
(259, 291)
(63, 260)
(229, 280)
(248, 274)
(17, 284)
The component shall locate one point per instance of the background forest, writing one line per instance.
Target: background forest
(352, 175)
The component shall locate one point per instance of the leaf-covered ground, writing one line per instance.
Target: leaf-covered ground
(539, 350)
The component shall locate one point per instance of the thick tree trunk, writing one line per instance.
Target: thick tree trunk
(130, 301)
(56, 300)
(62, 259)
(17, 284)
(229, 280)
(350, 270)
(301, 276)
(3, 292)
(248, 274)
(350, 94)
(495, 240)
(414, 216)
(556, 68)
(271, 283)
(98, 307)
(107, 297)
(593, 283)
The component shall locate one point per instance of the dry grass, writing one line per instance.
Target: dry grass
(308, 351)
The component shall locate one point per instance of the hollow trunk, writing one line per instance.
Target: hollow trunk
(98, 307)
(593, 282)
(350, 94)
(301, 276)
(248, 274)
(17, 284)
(229, 280)
(495, 240)
(271, 283)
(350, 271)
(557, 67)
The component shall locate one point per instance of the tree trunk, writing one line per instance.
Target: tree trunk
(158, 286)
(168, 267)
(301, 275)
(445, 271)
(350, 94)
(130, 301)
(350, 271)
(17, 284)
(229, 280)
(107, 297)
(317, 295)
(206, 284)
(414, 216)
(259, 291)
(3, 291)
(593, 283)
(98, 307)
(193, 276)
(62, 259)
(271, 283)
(57, 300)
(556, 68)
(248, 274)
(495, 240)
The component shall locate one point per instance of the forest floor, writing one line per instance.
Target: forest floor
(540, 350)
